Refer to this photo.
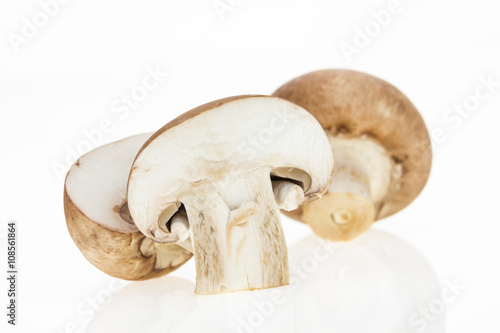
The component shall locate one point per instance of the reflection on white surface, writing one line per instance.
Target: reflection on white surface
(169, 305)
(376, 283)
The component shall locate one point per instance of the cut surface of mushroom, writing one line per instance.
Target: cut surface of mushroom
(99, 220)
(231, 164)
(379, 142)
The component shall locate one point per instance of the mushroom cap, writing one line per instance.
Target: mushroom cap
(94, 193)
(213, 142)
(354, 104)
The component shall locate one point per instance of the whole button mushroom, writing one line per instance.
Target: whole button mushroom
(380, 144)
(95, 205)
(216, 177)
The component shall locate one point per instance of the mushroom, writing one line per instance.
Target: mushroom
(99, 222)
(218, 175)
(380, 144)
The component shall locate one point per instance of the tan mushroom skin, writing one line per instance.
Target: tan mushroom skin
(128, 256)
(380, 144)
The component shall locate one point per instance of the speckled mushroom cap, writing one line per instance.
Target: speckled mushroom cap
(353, 104)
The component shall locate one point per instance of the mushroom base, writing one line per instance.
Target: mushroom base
(339, 216)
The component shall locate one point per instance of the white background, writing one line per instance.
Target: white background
(65, 79)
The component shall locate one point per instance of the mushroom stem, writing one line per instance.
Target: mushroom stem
(339, 216)
(289, 196)
(361, 179)
(237, 237)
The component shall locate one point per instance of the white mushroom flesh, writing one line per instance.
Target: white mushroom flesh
(99, 190)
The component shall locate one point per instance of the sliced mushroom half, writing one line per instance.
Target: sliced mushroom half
(99, 222)
(216, 177)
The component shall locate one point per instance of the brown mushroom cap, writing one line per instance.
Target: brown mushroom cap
(355, 104)
(109, 242)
